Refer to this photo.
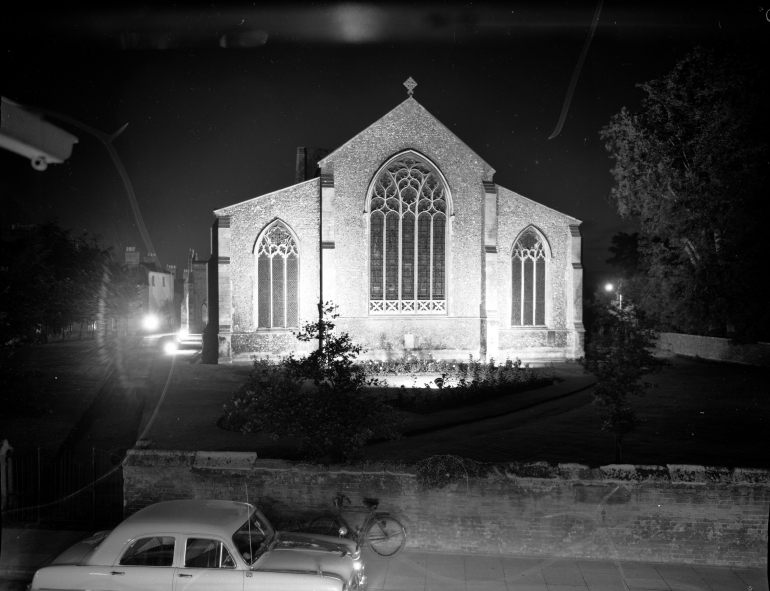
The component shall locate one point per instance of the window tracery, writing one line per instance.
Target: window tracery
(529, 259)
(277, 279)
(407, 257)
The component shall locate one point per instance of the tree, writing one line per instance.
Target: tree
(52, 279)
(619, 354)
(690, 170)
(625, 254)
(318, 399)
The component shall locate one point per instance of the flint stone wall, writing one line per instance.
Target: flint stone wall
(672, 514)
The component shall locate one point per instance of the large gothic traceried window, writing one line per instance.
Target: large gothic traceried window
(529, 280)
(277, 279)
(407, 239)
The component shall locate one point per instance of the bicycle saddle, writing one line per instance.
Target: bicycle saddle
(370, 502)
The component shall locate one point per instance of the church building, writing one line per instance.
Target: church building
(405, 230)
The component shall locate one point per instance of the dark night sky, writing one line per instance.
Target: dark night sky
(212, 126)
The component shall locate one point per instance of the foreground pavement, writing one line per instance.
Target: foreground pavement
(25, 550)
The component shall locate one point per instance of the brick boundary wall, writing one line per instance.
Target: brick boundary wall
(672, 514)
(714, 348)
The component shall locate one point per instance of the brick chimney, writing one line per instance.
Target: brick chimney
(150, 258)
(132, 256)
(172, 270)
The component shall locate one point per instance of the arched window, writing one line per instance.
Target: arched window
(529, 278)
(277, 279)
(407, 239)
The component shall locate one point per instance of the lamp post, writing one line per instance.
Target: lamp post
(609, 288)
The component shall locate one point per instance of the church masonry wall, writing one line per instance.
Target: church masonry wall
(299, 208)
(354, 165)
(515, 214)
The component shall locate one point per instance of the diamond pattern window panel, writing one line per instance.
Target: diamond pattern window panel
(375, 255)
(518, 271)
(407, 230)
(277, 279)
(438, 256)
(423, 257)
(279, 292)
(407, 256)
(391, 256)
(540, 292)
(292, 290)
(528, 280)
(263, 291)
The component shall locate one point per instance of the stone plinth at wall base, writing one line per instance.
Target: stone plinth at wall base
(672, 514)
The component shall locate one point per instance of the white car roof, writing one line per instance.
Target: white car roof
(189, 516)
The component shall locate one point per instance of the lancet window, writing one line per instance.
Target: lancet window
(529, 259)
(407, 233)
(277, 279)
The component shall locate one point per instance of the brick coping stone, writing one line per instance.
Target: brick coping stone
(672, 473)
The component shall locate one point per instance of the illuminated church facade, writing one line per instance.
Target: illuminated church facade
(406, 232)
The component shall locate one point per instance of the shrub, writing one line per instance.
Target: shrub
(620, 353)
(318, 399)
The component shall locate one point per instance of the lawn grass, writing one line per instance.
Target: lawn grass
(700, 413)
(730, 432)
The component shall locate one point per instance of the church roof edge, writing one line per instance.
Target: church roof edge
(561, 213)
(331, 155)
(223, 210)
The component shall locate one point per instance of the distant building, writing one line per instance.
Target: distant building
(195, 312)
(156, 290)
(405, 230)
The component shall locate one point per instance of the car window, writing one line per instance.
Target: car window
(253, 538)
(155, 551)
(202, 553)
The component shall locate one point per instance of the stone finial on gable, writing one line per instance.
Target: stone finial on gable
(410, 84)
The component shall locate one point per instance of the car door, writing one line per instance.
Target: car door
(147, 564)
(207, 563)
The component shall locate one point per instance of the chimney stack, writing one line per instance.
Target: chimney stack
(132, 256)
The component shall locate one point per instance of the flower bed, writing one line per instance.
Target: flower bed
(426, 386)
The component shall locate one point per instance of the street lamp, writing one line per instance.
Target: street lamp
(609, 288)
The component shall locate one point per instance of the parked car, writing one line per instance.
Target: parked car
(187, 545)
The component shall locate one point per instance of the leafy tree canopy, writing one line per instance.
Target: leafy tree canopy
(52, 279)
(691, 170)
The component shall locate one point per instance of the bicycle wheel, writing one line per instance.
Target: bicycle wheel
(386, 536)
(327, 525)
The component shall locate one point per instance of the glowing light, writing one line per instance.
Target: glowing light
(170, 347)
(151, 322)
(357, 566)
(183, 332)
(609, 287)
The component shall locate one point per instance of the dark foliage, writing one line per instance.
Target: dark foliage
(319, 399)
(691, 171)
(619, 352)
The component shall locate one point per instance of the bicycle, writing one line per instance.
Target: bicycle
(386, 535)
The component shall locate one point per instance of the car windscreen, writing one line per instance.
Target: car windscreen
(253, 537)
